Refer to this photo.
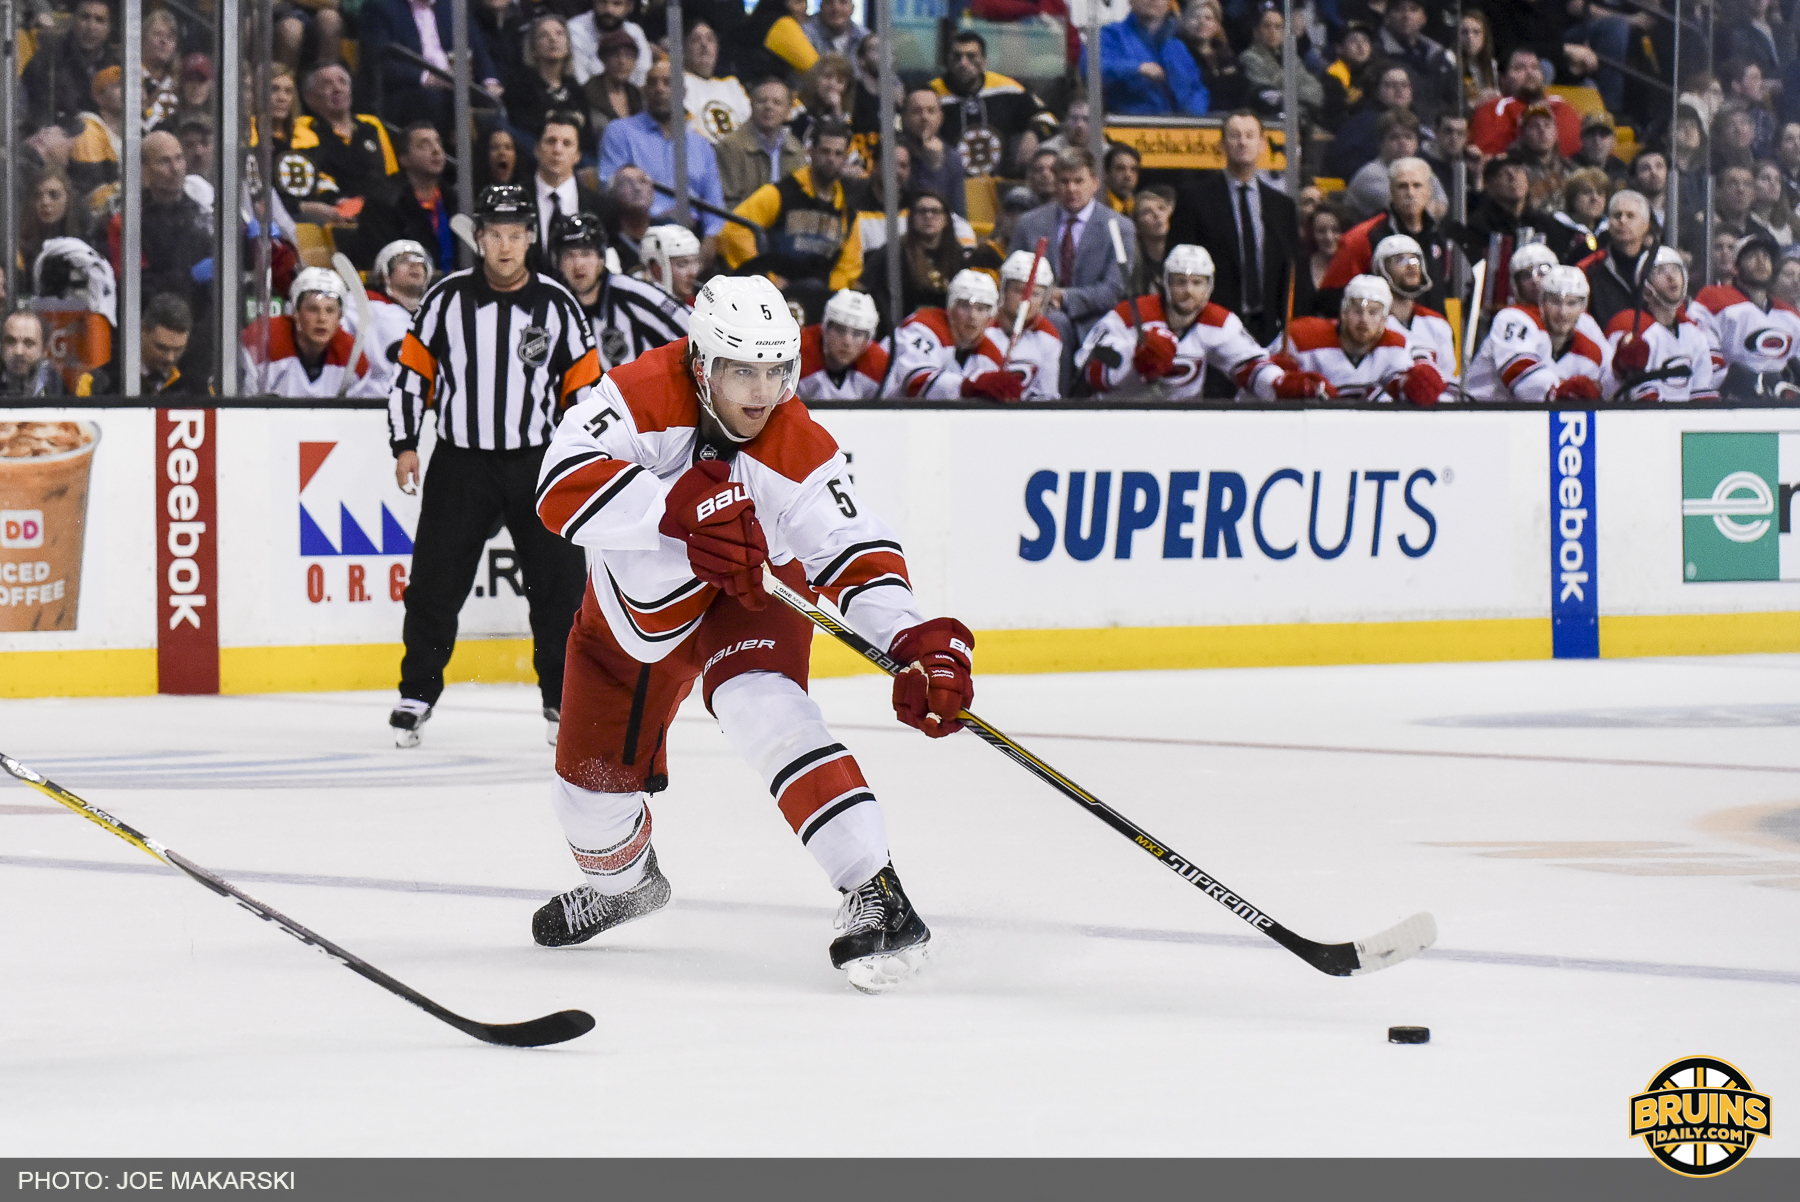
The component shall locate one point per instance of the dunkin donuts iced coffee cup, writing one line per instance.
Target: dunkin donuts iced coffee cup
(44, 469)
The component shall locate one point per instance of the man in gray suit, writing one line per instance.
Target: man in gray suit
(1089, 280)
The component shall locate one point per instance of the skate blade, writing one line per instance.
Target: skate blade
(879, 974)
(550, 735)
(404, 738)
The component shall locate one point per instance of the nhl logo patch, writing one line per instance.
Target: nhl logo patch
(534, 346)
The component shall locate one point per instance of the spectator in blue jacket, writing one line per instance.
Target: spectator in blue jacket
(1147, 68)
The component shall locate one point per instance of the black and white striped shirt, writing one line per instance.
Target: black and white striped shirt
(631, 316)
(499, 367)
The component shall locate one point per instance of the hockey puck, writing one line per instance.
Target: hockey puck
(1409, 1034)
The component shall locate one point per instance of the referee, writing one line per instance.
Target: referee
(628, 316)
(499, 352)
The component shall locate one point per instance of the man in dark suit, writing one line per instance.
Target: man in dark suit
(554, 189)
(409, 92)
(1089, 280)
(1251, 229)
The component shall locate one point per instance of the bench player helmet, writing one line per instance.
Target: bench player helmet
(664, 242)
(1530, 258)
(744, 319)
(309, 280)
(1369, 288)
(505, 204)
(1666, 256)
(400, 248)
(1187, 259)
(853, 310)
(1396, 246)
(976, 287)
(1018, 266)
(1563, 280)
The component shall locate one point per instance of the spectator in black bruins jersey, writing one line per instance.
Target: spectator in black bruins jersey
(814, 247)
(994, 122)
(627, 315)
(335, 157)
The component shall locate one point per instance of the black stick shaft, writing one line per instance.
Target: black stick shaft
(553, 1028)
(1335, 959)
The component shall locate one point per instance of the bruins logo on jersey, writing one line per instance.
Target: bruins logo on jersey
(295, 174)
(717, 120)
(981, 150)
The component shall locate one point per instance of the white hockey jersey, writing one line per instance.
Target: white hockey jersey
(715, 107)
(605, 482)
(1743, 336)
(285, 375)
(1684, 352)
(1038, 356)
(1217, 339)
(858, 382)
(928, 366)
(1313, 341)
(1519, 363)
(1429, 339)
(390, 323)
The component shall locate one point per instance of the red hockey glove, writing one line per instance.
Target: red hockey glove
(1297, 385)
(1633, 354)
(1155, 357)
(934, 684)
(1285, 361)
(1421, 384)
(1576, 388)
(995, 386)
(715, 517)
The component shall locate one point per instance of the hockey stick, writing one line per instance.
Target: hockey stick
(1383, 950)
(464, 228)
(552, 1028)
(1012, 349)
(359, 297)
(1137, 318)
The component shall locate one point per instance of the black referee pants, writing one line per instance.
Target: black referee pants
(466, 493)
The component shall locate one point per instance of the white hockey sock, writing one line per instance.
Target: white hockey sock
(779, 731)
(609, 834)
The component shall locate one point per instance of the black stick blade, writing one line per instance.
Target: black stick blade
(560, 1027)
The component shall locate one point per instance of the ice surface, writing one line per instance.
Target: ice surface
(1602, 910)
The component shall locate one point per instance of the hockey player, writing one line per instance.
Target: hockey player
(681, 477)
(309, 350)
(1544, 352)
(628, 316)
(1753, 335)
(1529, 263)
(396, 287)
(839, 358)
(1183, 334)
(1358, 355)
(672, 260)
(1659, 352)
(1400, 262)
(1038, 355)
(943, 354)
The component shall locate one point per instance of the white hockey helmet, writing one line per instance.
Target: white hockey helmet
(1018, 266)
(1565, 281)
(1668, 256)
(1188, 259)
(1369, 287)
(853, 310)
(401, 248)
(745, 319)
(317, 279)
(1395, 246)
(976, 287)
(1532, 256)
(664, 242)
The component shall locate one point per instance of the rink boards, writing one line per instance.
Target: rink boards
(266, 550)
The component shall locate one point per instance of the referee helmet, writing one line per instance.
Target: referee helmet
(577, 230)
(505, 204)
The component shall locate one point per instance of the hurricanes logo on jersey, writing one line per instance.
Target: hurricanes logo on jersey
(1773, 343)
(1700, 1116)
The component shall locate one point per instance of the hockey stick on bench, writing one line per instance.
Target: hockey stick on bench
(552, 1028)
(1383, 950)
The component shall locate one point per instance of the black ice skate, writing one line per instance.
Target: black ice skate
(407, 720)
(884, 938)
(583, 912)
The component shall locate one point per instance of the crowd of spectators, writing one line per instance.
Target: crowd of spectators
(1473, 130)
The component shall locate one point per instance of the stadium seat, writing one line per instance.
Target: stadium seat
(983, 196)
(1583, 100)
(1328, 184)
(315, 244)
